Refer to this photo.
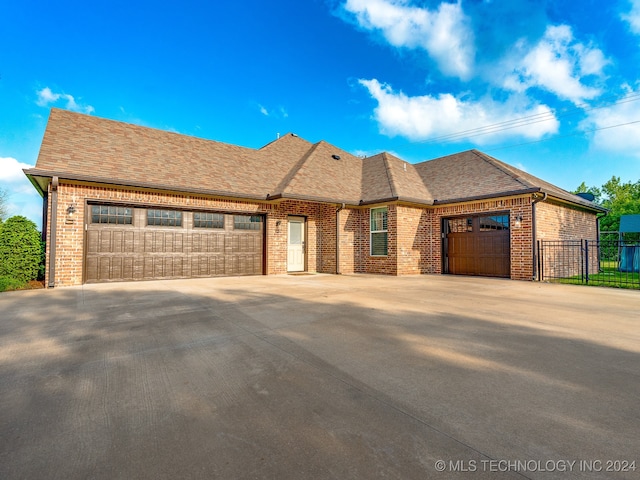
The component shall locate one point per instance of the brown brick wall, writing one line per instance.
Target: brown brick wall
(561, 222)
(557, 222)
(413, 240)
(414, 234)
(71, 228)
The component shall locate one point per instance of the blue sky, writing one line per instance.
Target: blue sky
(552, 87)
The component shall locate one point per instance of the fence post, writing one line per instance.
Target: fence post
(586, 260)
(540, 262)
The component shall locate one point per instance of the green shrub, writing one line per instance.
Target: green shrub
(20, 249)
(8, 283)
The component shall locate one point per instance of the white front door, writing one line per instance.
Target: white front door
(296, 246)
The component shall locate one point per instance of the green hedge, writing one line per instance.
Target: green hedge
(8, 283)
(20, 249)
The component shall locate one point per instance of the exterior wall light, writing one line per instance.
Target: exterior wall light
(518, 222)
(71, 209)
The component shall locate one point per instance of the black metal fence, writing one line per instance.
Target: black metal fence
(610, 261)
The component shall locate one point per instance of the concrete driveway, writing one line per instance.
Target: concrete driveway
(320, 376)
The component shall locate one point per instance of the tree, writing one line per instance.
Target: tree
(622, 199)
(20, 249)
(619, 198)
(4, 204)
(583, 188)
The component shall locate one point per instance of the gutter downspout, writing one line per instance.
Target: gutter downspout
(52, 233)
(338, 238)
(534, 232)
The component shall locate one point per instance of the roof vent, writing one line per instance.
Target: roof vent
(335, 157)
(294, 135)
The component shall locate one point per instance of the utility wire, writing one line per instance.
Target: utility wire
(527, 120)
(563, 136)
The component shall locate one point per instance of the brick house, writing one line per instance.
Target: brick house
(124, 202)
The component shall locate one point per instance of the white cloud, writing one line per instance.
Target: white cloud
(624, 139)
(47, 97)
(557, 63)
(11, 170)
(633, 17)
(445, 33)
(424, 117)
(280, 112)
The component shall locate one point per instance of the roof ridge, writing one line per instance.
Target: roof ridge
(281, 138)
(284, 183)
(387, 168)
(503, 168)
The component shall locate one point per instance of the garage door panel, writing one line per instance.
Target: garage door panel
(478, 246)
(91, 269)
(104, 268)
(104, 244)
(208, 243)
(157, 269)
(138, 268)
(92, 241)
(147, 238)
(138, 251)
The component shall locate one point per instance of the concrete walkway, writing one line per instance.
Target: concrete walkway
(320, 376)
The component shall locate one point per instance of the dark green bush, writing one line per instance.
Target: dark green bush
(20, 249)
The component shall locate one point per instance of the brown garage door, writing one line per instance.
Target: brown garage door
(477, 245)
(124, 244)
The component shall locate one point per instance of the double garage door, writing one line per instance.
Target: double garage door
(477, 245)
(128, 243)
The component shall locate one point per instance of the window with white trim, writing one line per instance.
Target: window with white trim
(378, 229)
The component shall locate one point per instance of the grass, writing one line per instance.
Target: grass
(609, 276)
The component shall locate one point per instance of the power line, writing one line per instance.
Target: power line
(562, 136)
(527, 120)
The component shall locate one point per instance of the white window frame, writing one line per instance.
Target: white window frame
(377, 229)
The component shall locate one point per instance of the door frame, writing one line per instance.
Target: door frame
(303, 220)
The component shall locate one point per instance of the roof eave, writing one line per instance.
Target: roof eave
(510, 193)
(34, 172)
(417, 201)
(311, 198)
(33, 180)
(583, 204)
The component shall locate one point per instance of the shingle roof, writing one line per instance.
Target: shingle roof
(83, 147)
(478, 175)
